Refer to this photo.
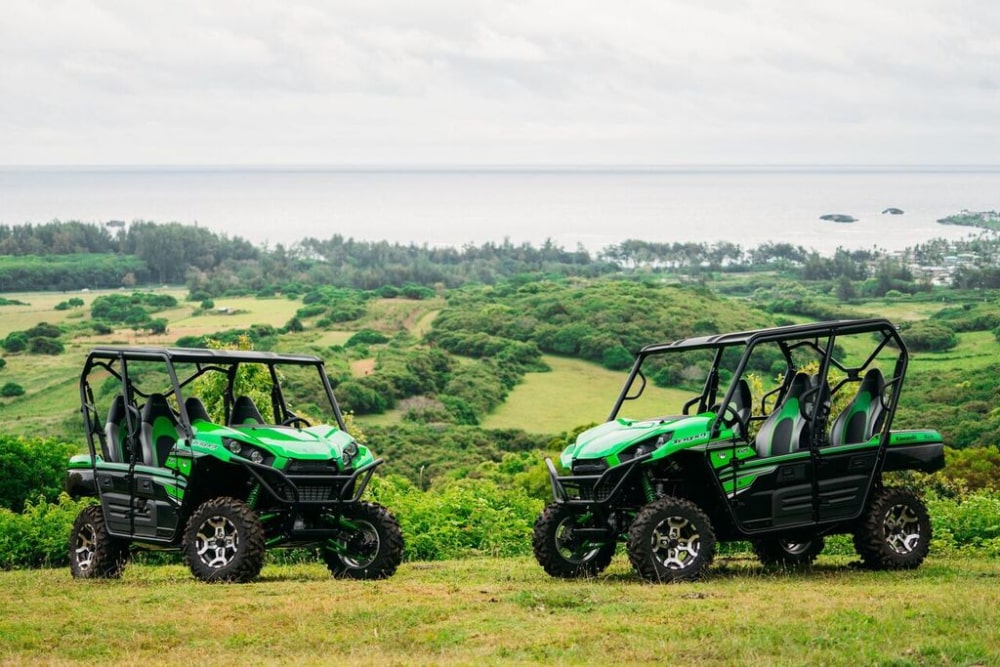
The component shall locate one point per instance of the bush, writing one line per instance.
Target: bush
(16, 341)
(929, 336)
(31, 467)
(3, 362)
(11, 389)
(37, 537)
(45, 346)
(459, 519)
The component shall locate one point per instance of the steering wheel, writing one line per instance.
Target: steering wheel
(295, 420)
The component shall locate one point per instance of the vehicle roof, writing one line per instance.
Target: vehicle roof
(791, 331)
(200, 355)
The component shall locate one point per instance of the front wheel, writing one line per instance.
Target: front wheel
(788, 551)
(224, 541)
(93, 553)
(561, 551)
(670, 540)
(371, 546)
(895, 531)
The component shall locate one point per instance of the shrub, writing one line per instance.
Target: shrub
(31, 467)
(16, 341)
(45, 346)
(459, 519)
(37, 536)
(11, 389)
(929, 336)
(3, 362)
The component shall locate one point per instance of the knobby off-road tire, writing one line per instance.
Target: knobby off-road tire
(373, 551)
(671, 539)
(224, 541)
(894, 533)
(560, 552)
(788, 551)
(93, 553)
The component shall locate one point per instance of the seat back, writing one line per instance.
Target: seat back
(741, 404)
(782, 431)
(159, 430)
(196, 410)
(862, 417)
(114, 447)
(245, 412)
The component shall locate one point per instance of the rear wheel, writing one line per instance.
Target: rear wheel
(895, 531)
(93, 553)
(788, 551)
(371, 546)
(224, 541)
(561, 551)
(671, 539)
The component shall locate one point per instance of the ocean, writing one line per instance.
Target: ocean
(589, 207)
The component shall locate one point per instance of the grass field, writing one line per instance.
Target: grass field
(507, 610)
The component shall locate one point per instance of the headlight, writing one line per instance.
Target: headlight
(348, 453)
(233, 445)
(256, 456)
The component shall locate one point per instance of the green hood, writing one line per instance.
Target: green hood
(319, 442)
(610, 439)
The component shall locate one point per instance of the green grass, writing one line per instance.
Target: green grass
(508, 610)
(574, 393)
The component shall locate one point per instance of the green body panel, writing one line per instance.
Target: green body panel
(315, 443)
(609, 440)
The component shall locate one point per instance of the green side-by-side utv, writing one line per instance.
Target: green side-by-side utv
(200, 450)
(778, 436)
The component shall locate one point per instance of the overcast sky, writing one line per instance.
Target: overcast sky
(431, 82)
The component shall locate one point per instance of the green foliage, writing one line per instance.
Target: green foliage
(37, 537)
(43, 345)
(251, 380)
(3, 362)
(16, 341)
(11, 389)
(970, 523)
(425, 452)
(927, 336)
(367, 337)
(969, 317)
(68, 272)
(132, 308)
(261, 337)
(459, 519)
(31, 467)
(955, 402)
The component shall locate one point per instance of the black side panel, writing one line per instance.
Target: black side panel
(925, 458)
(843, 483)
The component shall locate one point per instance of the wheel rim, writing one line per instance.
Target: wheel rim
(570, 548)
(902, 529)
(795, 548)
(363, 546)
(217, 541)
(86, 546)
(676, 543)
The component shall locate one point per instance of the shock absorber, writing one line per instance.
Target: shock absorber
(253, 496)
(647, 487)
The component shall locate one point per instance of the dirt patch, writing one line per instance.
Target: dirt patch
(362, 367)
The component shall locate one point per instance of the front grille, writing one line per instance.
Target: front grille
(589, 467)
(316, 492)
(327, 467)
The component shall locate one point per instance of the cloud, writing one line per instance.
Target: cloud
(476, 81)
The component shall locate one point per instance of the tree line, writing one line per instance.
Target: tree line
(76, 255)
